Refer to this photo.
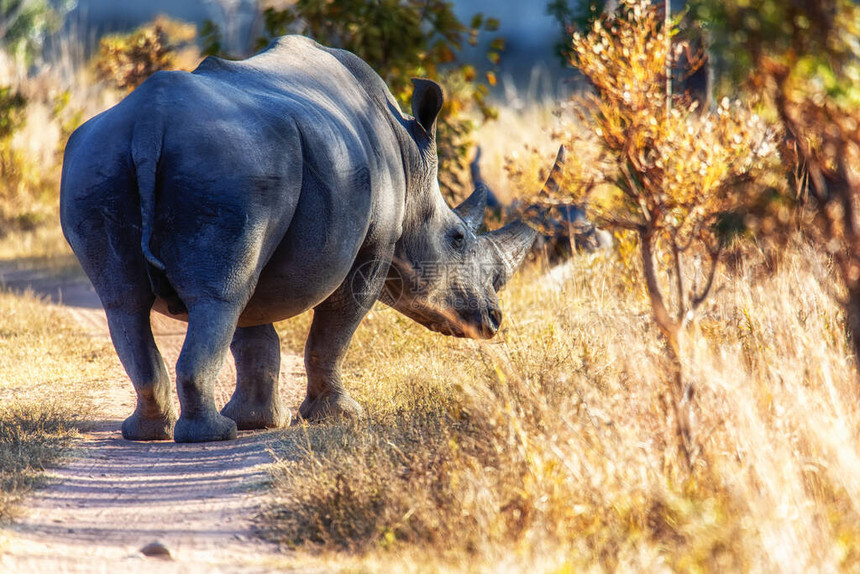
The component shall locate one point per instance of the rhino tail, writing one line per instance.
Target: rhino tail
(146, 152)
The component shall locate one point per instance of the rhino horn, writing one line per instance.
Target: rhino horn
(551, 186)
(471, 211)
(475, 167)
(512, 242)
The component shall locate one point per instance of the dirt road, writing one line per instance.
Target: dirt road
(103, 506)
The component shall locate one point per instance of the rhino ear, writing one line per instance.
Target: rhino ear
(427, 100)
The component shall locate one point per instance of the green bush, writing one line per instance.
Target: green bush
(24, 24)
(12, 116)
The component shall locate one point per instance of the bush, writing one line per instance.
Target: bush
(12, 108)
(124, 61)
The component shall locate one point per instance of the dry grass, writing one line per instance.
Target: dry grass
(551, 447)
(46, 368)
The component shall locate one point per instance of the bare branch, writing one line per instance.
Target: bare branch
(630, 190)
(679, 281)
(8, 20)
(693, 234)
(715, 260)
(622, 224)
(668, 326)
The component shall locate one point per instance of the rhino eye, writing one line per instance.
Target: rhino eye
(457, 239)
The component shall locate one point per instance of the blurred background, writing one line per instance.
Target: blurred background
(530, 32)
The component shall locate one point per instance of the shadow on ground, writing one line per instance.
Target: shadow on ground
(59, 279)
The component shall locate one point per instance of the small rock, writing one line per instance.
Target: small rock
(157, 549)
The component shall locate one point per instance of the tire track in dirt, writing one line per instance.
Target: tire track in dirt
(101, 507)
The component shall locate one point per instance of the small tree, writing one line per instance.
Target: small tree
(665, 171)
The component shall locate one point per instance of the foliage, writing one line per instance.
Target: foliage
(12, 108)
(744, 32)
(16, 172)
(25, 23)
(402, 39)
(573, 16)
(211, 40)
(28, 187)
(126, 60)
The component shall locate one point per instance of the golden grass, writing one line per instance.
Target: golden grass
(551, 447)
(47, 366)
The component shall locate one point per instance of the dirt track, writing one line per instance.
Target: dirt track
(103, 506)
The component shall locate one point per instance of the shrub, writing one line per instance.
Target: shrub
(124, 61)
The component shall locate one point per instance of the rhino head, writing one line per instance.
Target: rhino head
(445, 274)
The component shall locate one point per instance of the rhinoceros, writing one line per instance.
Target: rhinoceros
(244, 193)
(568, 228)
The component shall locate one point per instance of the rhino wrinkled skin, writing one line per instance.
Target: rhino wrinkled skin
(248, 192)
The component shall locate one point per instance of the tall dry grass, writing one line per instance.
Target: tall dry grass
(48, 371)
(552, 448)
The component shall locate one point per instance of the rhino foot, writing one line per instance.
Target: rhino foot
(136, 427)
(204, 428)
(249, 415)
(330, 407)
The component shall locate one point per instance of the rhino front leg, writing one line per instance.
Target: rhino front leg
(154, 416)
(335, 321)
(210, 327)
(256, 403)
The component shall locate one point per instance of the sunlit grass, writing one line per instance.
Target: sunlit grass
(48, 370)
(552, 447)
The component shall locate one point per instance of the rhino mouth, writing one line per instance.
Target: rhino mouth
(455, 314)
(473, 324)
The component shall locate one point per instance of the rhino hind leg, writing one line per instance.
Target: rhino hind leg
(256, 403)
(210, 328)
(154, 416)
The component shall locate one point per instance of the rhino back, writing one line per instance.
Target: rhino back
(294, 135)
